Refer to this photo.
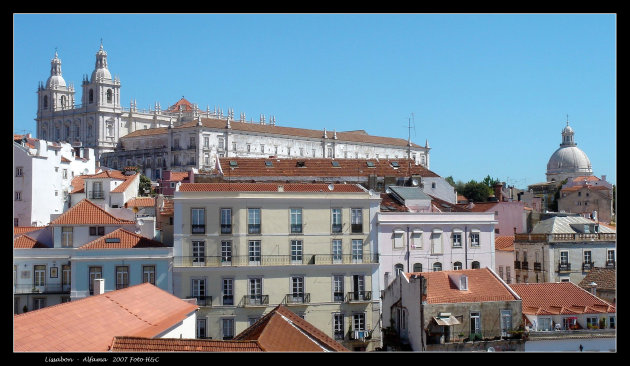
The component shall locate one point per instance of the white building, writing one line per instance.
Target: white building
(43, 172)
(422, 240)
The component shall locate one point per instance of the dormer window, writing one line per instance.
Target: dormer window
(463, 283)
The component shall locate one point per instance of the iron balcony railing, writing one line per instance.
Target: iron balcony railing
(198, 229)
(358, 335)
(358, 296)
(202, 300)
(564, 237)
(610, 264)
(517, 265)
(336, 228)
(525, 266)
(357, 228)
(564, 267)
(255, 300)
(298, 298)
(226, 228)
(97, 195)
(274, 260)
(587, 266)
(45, 289)
(537, 266)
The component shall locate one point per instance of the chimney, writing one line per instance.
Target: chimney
(604, 178)
(498, 191)
(99, 286)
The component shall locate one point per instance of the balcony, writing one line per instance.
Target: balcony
(297, 299)
(45, 289)
(274, 260)
(226, 229)
(564, 267)
(587, 266)
(537, 266)
(359, 335)
(253, 228)
(357, 228)
(359, 296)
(558, 237)
(198, 229)
(97, 195)
(336, 228)
(525, 266)
(202, 300)
(296, 228)
(611, 264)
(255, 300)
(517, 265)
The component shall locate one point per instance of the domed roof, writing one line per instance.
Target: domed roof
(101, 74)
(569, 159)
(100, 69)
(55, 79)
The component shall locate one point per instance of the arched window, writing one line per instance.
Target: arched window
(63, 101)
(398, 268)
(45, 101)
(417, 267)
(475, 265)
(457, 265)
(437, 266)
(109, 95)
(91, 96)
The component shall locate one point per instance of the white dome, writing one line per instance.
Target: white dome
(101, 74)
(55, 81)
(569, 159)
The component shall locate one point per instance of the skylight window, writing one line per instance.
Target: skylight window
(300, 164)
(335, 164)
(233, 164)
(395, 164)
(268, 163)
(112, 240)
(370, 164)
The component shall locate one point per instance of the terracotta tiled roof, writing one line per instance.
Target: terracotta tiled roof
(266, 187)
(178, 176)
(483, 206)
(349, 136)
(446, 206)
(504, 243)
(141, 202)
(122, 239)
(167, 208)
(17, 230)
(26, 242)
(389, 204)
(588, 178)
(130, 179)
(90, 324)
(78, 184)
(482, 286)
(115, 174)
(281, 330)
(559, 298)
(65, 160)
(182, 102)
(138, 344)
(87, 213)
(605, 278)
(321, 167)
(593, 188)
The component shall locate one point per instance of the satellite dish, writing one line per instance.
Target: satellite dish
(414, 182)
(387, 190)
(331, 187)
(490, 349)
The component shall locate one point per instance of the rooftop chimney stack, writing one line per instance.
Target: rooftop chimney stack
(99, 286)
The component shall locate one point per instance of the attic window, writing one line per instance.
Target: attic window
(370, 164)
(335, 164)
(268, 163)
(463, 283)
(233, 164)
(112, 240)
(300, 164)
(395, 164)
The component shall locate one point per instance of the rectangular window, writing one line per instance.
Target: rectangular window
(436, 243)
(19, 171)
(18, 196)
(122, 277)
(501, 272)
(296, 251)
(253, 221)
(336, 220)
(198, 221)
(297, 289)
(358, 321)
(338, 288)
(199, 252)
(508, 275)
(587, 256)
(234, 146)
(611, 322)
(457, 240)
(221, 144)
(296, 220)
(475, 323)
(255, 291)
(506, 322)
(357, 220)
(262, 149)
(226, 252)
(206, 142)
(544, 324)
(357, 251)
(416, 239)
(358, 290)
(66, 237)
(39, 303)
(564, 258)
(199, 290)
(148, 274)
(226, 221)
(254, 253)
(338, 328)
(227, 326)
(65, 277)
(474, 239)
(398, 239)
(228, 291)
(337, 251)
(94, 273)
(201, 329)
(39, 280)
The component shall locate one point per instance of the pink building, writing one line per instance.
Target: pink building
(167, 184)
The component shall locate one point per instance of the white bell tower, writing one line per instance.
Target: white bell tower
(52, 97)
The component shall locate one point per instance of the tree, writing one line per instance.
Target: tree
(476, 191)
(145, 186)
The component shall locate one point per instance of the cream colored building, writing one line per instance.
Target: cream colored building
(243, 248)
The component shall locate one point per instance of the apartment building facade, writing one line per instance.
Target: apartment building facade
(242, 249)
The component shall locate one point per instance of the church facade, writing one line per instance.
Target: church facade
(183, 136)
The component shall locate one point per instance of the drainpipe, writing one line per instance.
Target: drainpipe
(466, 246)
(408, 254)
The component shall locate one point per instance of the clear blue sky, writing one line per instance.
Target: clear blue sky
(490, 92)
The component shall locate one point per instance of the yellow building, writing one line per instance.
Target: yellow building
(242, 249)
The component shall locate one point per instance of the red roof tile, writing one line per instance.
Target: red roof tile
(87, 213)
(605, 278)
(141, 202)
(483, 285)
(504, 242)
(138, 344)
(26, 242)
(559, 298)
(122, 239)
(267, 187)
(282, 330)
(90, 324)
(17, 230)
(130, 179)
